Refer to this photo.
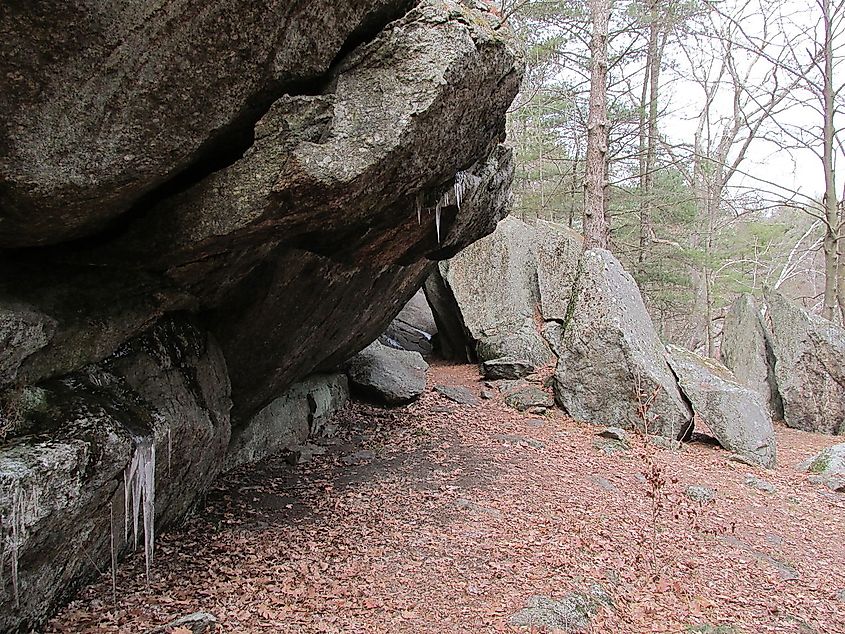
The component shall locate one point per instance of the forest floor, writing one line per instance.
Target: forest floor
(439, 517)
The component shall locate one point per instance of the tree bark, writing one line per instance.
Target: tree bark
(596, 226)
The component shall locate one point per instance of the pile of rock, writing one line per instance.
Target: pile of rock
(529, 296)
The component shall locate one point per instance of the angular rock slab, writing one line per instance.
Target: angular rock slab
(612, 364)
(413, 328)
(494, 297)
(734, 413)
(746, 350)
(809, 366)
(62, 489)
(301, 412)
(394, 377)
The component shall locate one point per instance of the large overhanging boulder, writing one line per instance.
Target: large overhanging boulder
(104, 102)
(809, 366)
(736, 414)
(612, 368)
(282, 177)
(746, 349)
(331, 217)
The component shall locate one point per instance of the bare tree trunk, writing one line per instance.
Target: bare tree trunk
(648, 131)
(596, 227)
(573, 192)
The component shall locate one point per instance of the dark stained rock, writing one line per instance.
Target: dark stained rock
(506, 368)
(62, 489)
(103, 103)
(746, 350)
(809, 366)
(394, 377)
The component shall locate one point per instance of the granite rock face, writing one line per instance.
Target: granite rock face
(809, 366)
(736, 414)
(491, 300)
(394, 377)
(303, 411)
(612, 368)
(747, 351)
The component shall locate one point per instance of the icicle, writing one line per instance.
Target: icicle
(13, 527)
(139, 496)
(437, 218)
(113, 554)
(419, 205)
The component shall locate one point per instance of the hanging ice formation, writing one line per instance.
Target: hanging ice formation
(452, 196)
(13, 529)
(139, 496)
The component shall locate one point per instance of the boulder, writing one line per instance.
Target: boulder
(458, 394)
(828, 462)
(506, 368)
(493, 300)
(528, 398)
(612, 368)
(413, 328)
(736, 414)
(746, 349)
(302, 412)
(394, 377)
(105, 104)
(148, 426)
(809, 366)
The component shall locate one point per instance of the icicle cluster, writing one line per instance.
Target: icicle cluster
(13, 529)
(451, 197)
(139, 496)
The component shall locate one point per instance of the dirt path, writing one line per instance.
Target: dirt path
(446, 518)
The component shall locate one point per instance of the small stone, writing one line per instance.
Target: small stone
(666, 443)
(514, 439)
(701, 494)
(457, 394)
(840, 596)
(359, 457)
(488, 394)
(742, 460)
(604, 483)
(535, 422)
(538, 411)
(758, 483)
(525, 399)
(615, 433)
(197, 623)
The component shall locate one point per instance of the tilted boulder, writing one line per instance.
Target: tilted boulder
(809, 366)
(735, 414)
(492, 300)
(149, 425)
(394, 377)
(612, 368)
(413, 328)
(747, 351)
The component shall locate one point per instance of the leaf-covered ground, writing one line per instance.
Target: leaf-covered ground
(440, 517)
